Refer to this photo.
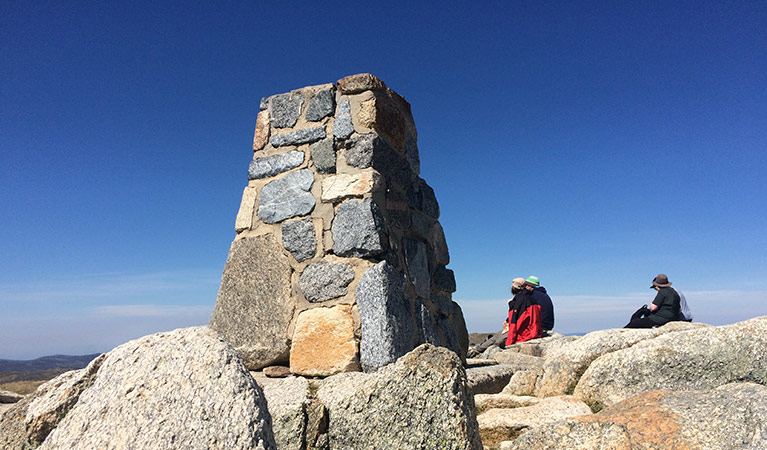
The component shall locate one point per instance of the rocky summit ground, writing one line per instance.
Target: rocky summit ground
(680, 386)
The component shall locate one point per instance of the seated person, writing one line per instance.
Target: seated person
(498, 339)
(542, 298)
(663, 309)
(524, 316)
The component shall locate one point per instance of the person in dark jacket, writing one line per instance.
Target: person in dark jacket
(524, 317)
(541, 297)
(663, 309)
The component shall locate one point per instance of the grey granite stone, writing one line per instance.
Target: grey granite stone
(287, 197)
(421, 224)
(411, 155)
(443, 305)
(274, 165)
(459, 327)
(451, 338)
(370, 150)
(342, 127)
(323, 156)
(417, 264)
(298, 137)
(358, 229)
(359, 150)
(285, 109)
(323, 281)
(444, 279)
(263, 104)
(421, 197)
(254, 307)
(321, 105)
(298, 238)
(385, 318)
(427, 329)
(439, 245)
(397, 209)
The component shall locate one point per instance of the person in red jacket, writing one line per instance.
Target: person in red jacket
(524, 317)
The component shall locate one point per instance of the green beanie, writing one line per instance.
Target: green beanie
(533, 280)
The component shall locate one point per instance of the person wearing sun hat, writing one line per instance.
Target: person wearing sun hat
(499, 339)
(541, 297)
(663, 309)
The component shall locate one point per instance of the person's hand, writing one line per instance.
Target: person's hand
(505, 327)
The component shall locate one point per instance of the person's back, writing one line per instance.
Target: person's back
(668, 306)
(541, 297)
(684, 310)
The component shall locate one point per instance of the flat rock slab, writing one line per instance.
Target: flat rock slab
(489, 379)
(287, 197)
(181, 389)
(518, 360)
(567, 362)
(484, 402)
(496, 425)
(732, 416)
(254, 308)
(698, 358)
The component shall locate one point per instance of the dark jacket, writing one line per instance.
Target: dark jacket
(667, 301)
(524, 318)
(547, 307)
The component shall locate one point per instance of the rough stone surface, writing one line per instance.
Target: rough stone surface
(323, 156)
(459, 327)
(358, 229)
(421, 401)
(261, 136)
(489, 379)
(244, 218)
(285, 109)
(523, 382)
(276, 371)
(385, 317)
(323, 281)
(417, 262)
(411, 155)
(421, 197)
(298, 137)
(519, 361)
(321, 105)
(500, 424)
(339, 187)
(732, 416)
(27, 423)
(439, 244)
(9, 397)
(287, 197)
(354, 84)
(698, 358)
(287, 401)
(370, 150)
(181, 389)
(270, 166)
(298, 238)
(564, 366)
(324, 342)
(485, 402)
(342, 126)
(444, 279)
(253, 309)
(427, 328)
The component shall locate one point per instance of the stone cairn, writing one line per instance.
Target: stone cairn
(339, 260)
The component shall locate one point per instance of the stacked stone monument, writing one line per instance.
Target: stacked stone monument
(339, 263)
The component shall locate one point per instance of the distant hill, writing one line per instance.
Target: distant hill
(46, 363)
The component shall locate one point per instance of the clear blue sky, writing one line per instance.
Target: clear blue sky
(593, 144)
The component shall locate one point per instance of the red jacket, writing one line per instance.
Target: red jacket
(524, 319)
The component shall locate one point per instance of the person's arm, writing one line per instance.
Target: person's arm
(652, 306)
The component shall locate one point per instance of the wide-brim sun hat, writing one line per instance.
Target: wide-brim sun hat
(660, 281)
